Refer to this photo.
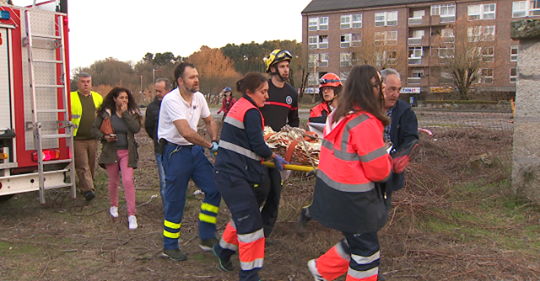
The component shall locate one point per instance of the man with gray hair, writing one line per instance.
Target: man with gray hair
(84, 103)
(163, 86)
(402, 131)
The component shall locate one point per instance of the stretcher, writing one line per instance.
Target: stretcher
(292, 167)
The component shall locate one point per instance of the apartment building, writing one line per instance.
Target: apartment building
(417, 37)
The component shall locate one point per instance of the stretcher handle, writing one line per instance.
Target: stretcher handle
(290, 167)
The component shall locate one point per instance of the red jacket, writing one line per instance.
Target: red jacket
(319, 113)
(224, 106)
(353, 158)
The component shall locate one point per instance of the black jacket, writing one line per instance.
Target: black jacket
(151, 122)
(403, 129)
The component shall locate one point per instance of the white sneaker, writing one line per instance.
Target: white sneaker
(313, 269)
(132, 220)
(114, 211)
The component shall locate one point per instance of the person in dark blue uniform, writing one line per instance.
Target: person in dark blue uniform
(238, 169)
(280, 109)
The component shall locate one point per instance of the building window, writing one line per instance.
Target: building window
(481, 33)
(313, 42)
(525, 8)
(445, 52)
(513, 75)
(514, 53)
(386, 18)
(519, 9)
(318, 42)
(481, 12)
(312, 59)
(319, 23)
(357, 21)
(447, 35)
(343, 75)
(323, 60)
(415, 55)
(323, 23)
(386, 58)
(385, 38)
(345, 22)
(416, 77)
(323, 42)
(312, 80)
(447, 12)
(488, 54)
(320, 60)
(345, 59)
(345, 40)
(356, 39)
(486, 75)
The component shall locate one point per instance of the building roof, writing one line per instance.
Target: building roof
(333, 5)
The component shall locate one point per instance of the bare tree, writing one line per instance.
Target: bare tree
(465, 52)
(379, 49)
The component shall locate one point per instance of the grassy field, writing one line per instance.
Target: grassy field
(456, 219)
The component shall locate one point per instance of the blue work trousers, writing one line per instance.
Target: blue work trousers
(161, 172)
(239, 196)
(182, 163)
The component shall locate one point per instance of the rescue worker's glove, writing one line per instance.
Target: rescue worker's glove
(214, 149)
(402, 156)
(279, 162)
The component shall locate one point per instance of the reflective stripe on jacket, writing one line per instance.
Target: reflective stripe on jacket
(235, 153)
(76, 108)
(353, 157)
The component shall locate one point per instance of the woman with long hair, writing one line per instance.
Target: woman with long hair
(238, 168)
(119, 150)
(353, 159)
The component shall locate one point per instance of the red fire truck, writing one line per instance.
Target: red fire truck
(36, 137)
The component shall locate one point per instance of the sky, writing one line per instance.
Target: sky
(127, 30)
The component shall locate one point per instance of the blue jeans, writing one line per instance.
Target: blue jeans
(161, 172)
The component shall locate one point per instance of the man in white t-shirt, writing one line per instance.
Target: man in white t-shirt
(184, 159)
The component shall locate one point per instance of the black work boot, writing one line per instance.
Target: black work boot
(301, 225)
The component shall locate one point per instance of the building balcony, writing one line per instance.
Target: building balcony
(419, 21)
(416, 60)
(417, 81)
(419, 41)
(442, 20)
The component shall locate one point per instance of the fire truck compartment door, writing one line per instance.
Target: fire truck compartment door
(5, 104)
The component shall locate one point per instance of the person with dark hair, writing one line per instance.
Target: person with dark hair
(329, 89)
(84, 103)
(119, 150)
(238, 168)
(281, 108)
(183, 159)
(228, 102)
(162, 87)
(353, 159)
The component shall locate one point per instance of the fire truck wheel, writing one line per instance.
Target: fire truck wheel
(6, 197)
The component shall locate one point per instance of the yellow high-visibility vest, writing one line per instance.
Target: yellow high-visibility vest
(76, 108)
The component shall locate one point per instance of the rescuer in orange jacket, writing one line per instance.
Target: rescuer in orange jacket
(329, 89)
(353, 159)
(238, 168)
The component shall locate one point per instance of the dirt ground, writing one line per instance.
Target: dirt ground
(452, 221)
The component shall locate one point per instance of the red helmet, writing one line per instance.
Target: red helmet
(330, 80)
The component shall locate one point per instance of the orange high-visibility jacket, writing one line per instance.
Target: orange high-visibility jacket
(353, 158)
